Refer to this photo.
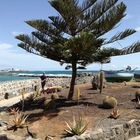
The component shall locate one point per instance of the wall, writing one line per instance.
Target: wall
(125, 131)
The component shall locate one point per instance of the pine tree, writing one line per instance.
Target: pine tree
(74, 36)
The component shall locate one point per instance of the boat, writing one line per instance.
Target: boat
(48, 75)
(137, 77)
(118, 76)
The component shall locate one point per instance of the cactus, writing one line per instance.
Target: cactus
(54, 96)
(138, 104)
(77, 126)
(109, 102)
(19, 121)
(49, 104)
(115, 113)
(98, 82)
(101, 81)
(6, 95)
(59, 88)
(137, 95)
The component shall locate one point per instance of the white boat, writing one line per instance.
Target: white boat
(118, 76)
(48, 75)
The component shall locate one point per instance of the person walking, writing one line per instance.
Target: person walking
(43, 81)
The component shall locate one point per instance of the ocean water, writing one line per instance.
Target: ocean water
(4, 77)
(11, 78)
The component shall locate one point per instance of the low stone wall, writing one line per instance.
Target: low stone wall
(125, 131)
(13, 88)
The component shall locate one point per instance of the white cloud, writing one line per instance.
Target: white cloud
(14, 33)
(137, 29)
(5, 47)
(12, 57)
(127, 17)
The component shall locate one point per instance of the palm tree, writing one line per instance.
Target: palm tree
(75, 35)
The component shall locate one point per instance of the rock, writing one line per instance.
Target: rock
(95, 82)
(30, 138)
(70, 138)
(3, 136)
(3, 123)
(97, 135)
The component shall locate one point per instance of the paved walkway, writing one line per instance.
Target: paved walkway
(9, 102)
(136, 138)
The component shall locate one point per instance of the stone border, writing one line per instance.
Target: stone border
(125, 131)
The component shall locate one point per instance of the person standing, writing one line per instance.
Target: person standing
(43, 81)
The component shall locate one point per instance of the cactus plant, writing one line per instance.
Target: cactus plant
(6, 95)
(115, 113)
(109, 102)
(19, 121)
(59, 88)
(137, 95)
(77, 127)
(13, 111)
(49, 104)
(54, 96)
(101, 81)
(78, 94)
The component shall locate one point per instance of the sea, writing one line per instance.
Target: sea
(8, 76)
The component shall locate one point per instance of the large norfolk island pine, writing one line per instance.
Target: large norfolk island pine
(74, 36)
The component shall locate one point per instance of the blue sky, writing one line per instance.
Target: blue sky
(13, 13)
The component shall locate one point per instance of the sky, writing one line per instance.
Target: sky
(13, 13)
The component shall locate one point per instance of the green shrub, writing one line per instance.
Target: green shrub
(109, 102)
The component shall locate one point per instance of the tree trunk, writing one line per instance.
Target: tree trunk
(71, 91)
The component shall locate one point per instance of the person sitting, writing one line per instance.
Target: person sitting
(128, 68)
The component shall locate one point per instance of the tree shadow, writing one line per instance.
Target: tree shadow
(94, 92)
(4, 108)
(104, 107)
(50, 114)
(29, 105)
(36, 110)
(69, 103)
(135, 86)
